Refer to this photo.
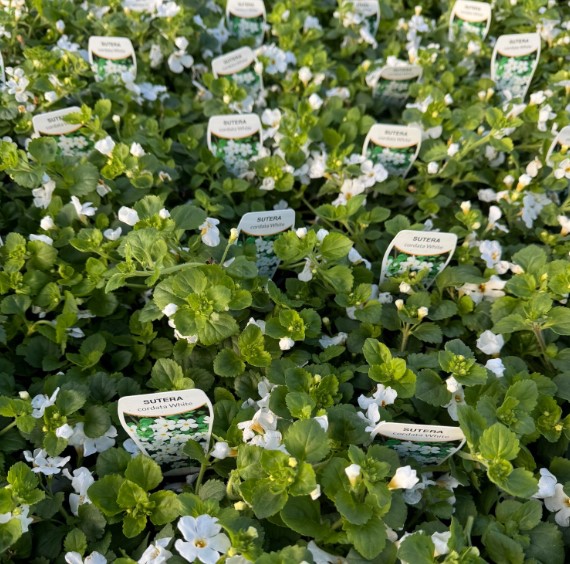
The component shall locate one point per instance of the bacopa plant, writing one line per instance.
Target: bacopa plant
(123, 273)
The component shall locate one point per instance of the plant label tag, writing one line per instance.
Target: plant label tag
(246, 19)
(240, 66)
(561, 144)
(514, 62)
(469, 18)
(396, 147)
(161, 423)
(412, 254)
(257, 232)
(394, 82)
(139, 5)
(369, 12)
(236, 139)
(427, 444)
(111, 56)
(69, 140)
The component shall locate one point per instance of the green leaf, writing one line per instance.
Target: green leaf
(559, 320)
(103, 493)
(167, 507)
(144, 471)
(431, 388)
(335, 246)
(520, 483)
(251, 345)
(131, 495)
(353, 511)
(195, 451)
(499, 443)
(501, 548)
(369, 539)
(167, 375)
(10, 532)
(417, 548)
(532, 259)
(75, 541)
(303, 515)
(546, 538)
(307, 441)
(472, 423)
(429, 333)
(300, 404)
(228, 364)
(133, 525)
(97, 421)
(261, 495)
(112, 461)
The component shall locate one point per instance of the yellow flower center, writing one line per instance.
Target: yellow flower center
(200, 543)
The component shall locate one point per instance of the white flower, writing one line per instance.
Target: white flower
(90, 445)
(20, 513)
(325, 341)
(170, 309)
(316, 493)
(43, 238)
(382, 397)
(301, 232)
(560, 503)
(490, 252)
(315, 101)
(563, 170)
(496, 366)
(94, 558)
(45, 464)
(305, 75)
(82, 210)
(105, 146)
(286, 343)
(112, 234)
(353, 473)
(422, 312)
(564, 224)
(64, 432)
(204, 541)
(453, 149)
(489, 343)
(546, 485)
(457, 397)
(128, 216)
(307, 273)
(156, 552)
(156, 56)
(47, 223)
(272, 118)
(136, 150)
(322, 557)
(404, 478)
(42, 196)
(209, 232)
(440, 541)
(41, 401)
(222, 450)
(492, 289)
(80, 482)
(179, 60)
(432, 168)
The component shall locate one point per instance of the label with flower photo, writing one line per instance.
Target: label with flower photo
(246, 19)
(395, 147)
(110, 56)
(257, 232)
(561, 144)
(241, 67)
(514, 62)
(415, 254)
(469, 18)
(427, 444)
(394, 82)
(161, 423)
(369, 12)
(70, 141)
(236, 139)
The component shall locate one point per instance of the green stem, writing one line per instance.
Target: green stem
(337, 524)
(200, 477)
(405, 336)
(468, 528)
(165, 271)
(8, 427)
(541, 343)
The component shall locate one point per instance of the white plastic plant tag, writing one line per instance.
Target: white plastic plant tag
(418, 253)
(161, 423)
(246, 19)
(139, 5)
(67, 135)
(258, 230)
(240, 66)
(396, 147)
(514, 62)
(369, 11)
(394, 82)
(110, 56)
(561, 143)
(469, 18)
(236, 139)
(427, 444)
